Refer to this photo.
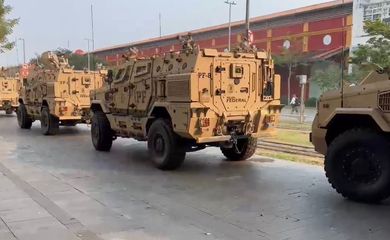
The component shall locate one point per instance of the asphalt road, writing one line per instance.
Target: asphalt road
(59, 187)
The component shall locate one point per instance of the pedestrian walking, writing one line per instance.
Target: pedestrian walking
(294, 104)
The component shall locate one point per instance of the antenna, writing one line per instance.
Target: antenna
(93, 49)
(342, 59)
(92, 30)
(247, 20)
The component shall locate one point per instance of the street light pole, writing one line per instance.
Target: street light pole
(24, 50)
(230, 21)
(160, 24)
(88, 54)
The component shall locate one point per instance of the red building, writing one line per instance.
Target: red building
(319, 31)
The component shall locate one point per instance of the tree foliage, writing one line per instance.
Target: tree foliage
(79, 62)
(327, 75)
(290, 59)
(376, 52)
(6, 27)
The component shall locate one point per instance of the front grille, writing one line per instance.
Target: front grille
(178, 89)
(384, 101)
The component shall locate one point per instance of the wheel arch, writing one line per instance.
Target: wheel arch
(343, 121)
(155, 113)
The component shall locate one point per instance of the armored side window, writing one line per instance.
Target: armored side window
(123, 74)
(119, 74)
(143, 69)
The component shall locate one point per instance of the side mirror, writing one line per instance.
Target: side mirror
(110, 76)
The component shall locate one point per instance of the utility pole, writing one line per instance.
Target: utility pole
(89, 53)
(24, 50)
(247, 19)
(231, 3)
(160, 24)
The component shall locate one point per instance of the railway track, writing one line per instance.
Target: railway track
(288, 148)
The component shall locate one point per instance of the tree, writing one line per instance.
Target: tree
(291, 59)
(327, 75)
(376, 52)
(79, 62)
(6, 27)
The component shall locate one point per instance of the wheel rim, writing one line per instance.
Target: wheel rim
(361, 166)
(159, 146)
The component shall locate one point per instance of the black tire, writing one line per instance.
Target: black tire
(50, 125)
(101, 132)
(246, 147)
(9, 111)
(164, 146)
(357, 165)
(24, 120)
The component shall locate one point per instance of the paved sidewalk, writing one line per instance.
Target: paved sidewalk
(286, 115)
(22, 218)
(26, 214)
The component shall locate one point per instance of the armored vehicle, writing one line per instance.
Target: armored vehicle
(352, 129)
(56, 94)
(184, 101)
(9, 92)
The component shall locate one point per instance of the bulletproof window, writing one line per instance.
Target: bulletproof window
(119, 74)
(143, 69)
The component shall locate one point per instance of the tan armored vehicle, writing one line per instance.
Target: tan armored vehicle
(9, 92)
(352, 129)
(56, 94)
(183, 102)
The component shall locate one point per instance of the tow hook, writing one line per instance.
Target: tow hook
(234, 141)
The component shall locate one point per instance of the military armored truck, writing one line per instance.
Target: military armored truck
(9, 92)
(352, 129)
(56, 94)
(188, 100)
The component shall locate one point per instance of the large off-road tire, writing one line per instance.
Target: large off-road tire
(246, 147)
(101, 132)
(24, 120)
(164, 146)
(50, 125)
(357, 165)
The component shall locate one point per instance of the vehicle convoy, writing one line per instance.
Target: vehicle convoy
(56, 94)
(352, 130)
(182, 102)
(9, 92)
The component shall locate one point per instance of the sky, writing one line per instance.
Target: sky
(51, 24)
